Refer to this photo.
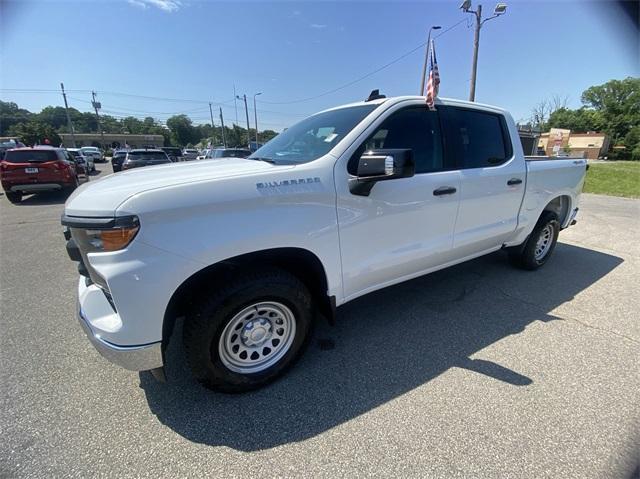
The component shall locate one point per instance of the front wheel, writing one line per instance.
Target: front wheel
(248, 333)
(540, 244)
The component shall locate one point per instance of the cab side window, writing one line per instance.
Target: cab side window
(476, 139)
(416, 128)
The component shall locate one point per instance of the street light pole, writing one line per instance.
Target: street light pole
(426, 59)
(255, 114)
(246, 111)
(500, 9)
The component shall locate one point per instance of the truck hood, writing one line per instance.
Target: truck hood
(102, 197)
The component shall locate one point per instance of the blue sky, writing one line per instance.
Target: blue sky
(291, 51)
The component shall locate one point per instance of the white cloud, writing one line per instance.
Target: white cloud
(164, 5)
(318, 26)
(137, 3)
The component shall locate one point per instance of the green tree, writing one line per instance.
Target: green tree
(34, 132)
(11, 114)
(182, 130)
(581, 119)
(618, 101)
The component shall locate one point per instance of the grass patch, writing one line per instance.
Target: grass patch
(617, 178)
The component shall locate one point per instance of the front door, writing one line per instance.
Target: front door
(402, 229)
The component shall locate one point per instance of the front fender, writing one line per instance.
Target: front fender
(210, 221)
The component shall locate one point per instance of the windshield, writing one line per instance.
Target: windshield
(172, 151)
(231, 153)
(147, 155)
(90, 149)
(30, 156)
(313, 137)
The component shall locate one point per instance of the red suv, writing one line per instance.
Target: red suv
(41, 168)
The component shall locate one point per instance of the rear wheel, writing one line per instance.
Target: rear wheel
(540, 244)
(71, 188)
(248, 333)
(14, 196)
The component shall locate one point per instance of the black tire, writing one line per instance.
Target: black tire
(205, 325)
(70, 189)
(14, 197)
(524, 256)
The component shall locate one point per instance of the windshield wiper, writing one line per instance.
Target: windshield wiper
(260, 158)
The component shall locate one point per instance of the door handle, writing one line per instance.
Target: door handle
(514, 181)
(444, 190)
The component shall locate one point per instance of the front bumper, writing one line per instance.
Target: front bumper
(134, 358)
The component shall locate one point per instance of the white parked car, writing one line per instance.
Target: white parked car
(93, 152)
(348, 201)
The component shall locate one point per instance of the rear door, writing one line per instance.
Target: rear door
(492, 177)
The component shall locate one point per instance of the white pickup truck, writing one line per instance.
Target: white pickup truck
(348, 201)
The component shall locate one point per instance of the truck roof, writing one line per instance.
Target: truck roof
(438, 101)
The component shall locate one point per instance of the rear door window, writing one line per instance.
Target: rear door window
(30, 156)
(476, 139)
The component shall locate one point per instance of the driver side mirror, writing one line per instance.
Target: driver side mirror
(381, 165)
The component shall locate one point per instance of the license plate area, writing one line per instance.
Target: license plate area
(31, 170)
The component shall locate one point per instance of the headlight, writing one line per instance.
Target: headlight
(112, 236)
(110, 240)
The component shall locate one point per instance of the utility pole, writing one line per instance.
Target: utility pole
(426, 58)
(476, 46)
(255, 114)
(97, 106)
(235, 103)
(246, 111)
(224, 138)
(500, 9)
(213, 127)
(66, 109)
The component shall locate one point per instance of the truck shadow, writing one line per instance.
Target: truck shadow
(384, 345)
(44, 198)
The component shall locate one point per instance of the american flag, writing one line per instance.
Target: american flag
(433, 85)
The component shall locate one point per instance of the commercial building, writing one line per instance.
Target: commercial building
(113, 140)
(560, 142)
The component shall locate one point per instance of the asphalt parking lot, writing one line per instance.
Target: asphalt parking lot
(480, 370)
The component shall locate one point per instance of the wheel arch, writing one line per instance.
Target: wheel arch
(300, 262)
(561, 206)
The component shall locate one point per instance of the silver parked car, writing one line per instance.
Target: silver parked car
(89, 159)
(190, 154)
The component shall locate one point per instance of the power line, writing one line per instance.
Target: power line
(396, 60)
(227, 103)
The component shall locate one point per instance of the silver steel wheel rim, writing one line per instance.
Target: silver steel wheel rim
(257, 337)
(543, 245)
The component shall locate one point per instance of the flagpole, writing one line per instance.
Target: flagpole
(426, 59)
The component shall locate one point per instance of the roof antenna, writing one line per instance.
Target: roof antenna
(375, 95)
